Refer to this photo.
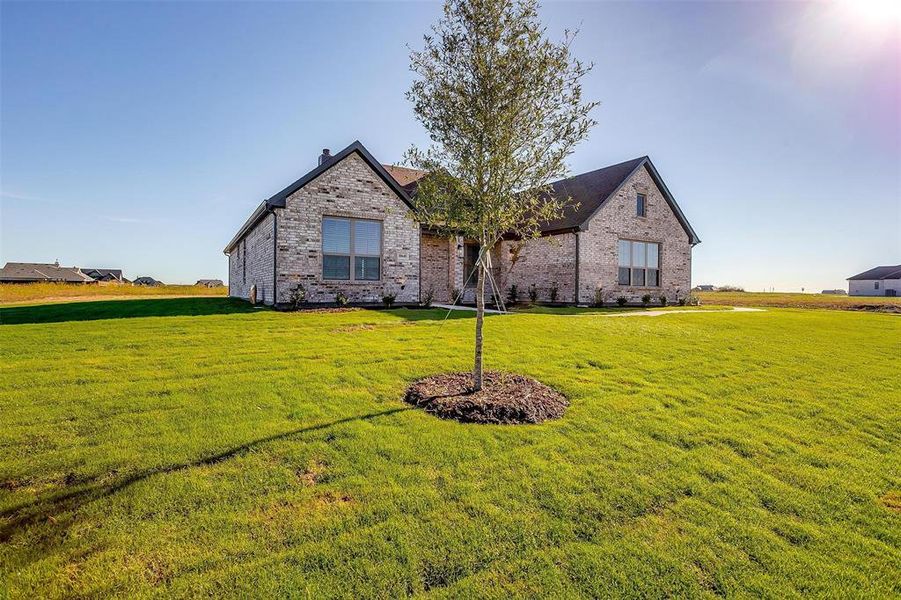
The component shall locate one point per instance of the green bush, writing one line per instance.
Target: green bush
(428, 297)
(298, 295)
(513, 294)
(341, 299)
(533, 293)
(646, 299)
(552, 293)
(388, 299)
(622, 300)
(663, 300)
(599, 297)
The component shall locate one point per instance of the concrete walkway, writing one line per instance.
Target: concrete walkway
(658, 313)
(488, 311)
(637, 313)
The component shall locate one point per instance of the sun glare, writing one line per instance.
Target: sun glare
(876, 13)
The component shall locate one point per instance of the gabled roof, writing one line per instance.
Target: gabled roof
(42, 272)
(887, 272)
(117, 273)
(146, 280)
(278, 200)
(588, 192)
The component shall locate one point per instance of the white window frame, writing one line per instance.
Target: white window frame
(352, 256)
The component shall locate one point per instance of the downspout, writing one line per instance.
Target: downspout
(576, 295)
(274, 257)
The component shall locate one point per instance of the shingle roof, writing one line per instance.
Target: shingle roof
(99, 273)
(42, 272)
(887, 272)
(405, 176)
(589, 191)
(145, 280)
(278, 200)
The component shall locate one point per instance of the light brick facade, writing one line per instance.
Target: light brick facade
(347, 189)
(250, 263)
(285, 247)
(551, 260)
(598, 260)
(544, 262)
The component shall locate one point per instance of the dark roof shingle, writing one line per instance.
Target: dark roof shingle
(13, 271)
(589, 191)
(886, 272)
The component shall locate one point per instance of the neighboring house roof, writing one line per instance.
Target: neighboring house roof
(103, 274)
(588, 192)
(278, 200)
(147, 281)
(887, 272)
(217, 282)
(12, 272)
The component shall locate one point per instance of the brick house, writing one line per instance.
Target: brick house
(347, 226)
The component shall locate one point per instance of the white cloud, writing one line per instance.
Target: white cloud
(116, 219)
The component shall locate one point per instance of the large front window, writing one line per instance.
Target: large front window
(639, 263)
(351, 249)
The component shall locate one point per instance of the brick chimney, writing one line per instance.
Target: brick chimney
(325, 156)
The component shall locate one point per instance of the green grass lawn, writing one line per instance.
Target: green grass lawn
(198, 447)
(34, 293)
(789, 300)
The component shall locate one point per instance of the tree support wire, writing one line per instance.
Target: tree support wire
(483, 262)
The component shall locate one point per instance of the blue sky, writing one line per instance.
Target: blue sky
(141, 135)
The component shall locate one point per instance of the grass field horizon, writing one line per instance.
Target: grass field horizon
(38, 293)
(798, 300)
(200, 446)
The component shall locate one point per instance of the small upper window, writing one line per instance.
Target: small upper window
(641, 203)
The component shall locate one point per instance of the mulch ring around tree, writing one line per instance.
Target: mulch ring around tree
(505, 398)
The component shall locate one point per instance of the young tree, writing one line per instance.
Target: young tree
(503, 106)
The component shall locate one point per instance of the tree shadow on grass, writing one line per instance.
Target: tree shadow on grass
(18, 518)
(122, 309)
(433, 314)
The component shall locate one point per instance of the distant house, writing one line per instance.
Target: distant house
(706, 288)
(879, 281)
(210, 283)
(147, 281)
(835, 292)
(14, 272)
(110, 275)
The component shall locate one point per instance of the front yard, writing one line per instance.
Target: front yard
(202, 447)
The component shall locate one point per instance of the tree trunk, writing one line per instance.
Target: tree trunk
(480, 315)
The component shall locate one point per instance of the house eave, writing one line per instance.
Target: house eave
(258, 214)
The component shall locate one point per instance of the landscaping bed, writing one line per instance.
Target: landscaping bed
(505, 398)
